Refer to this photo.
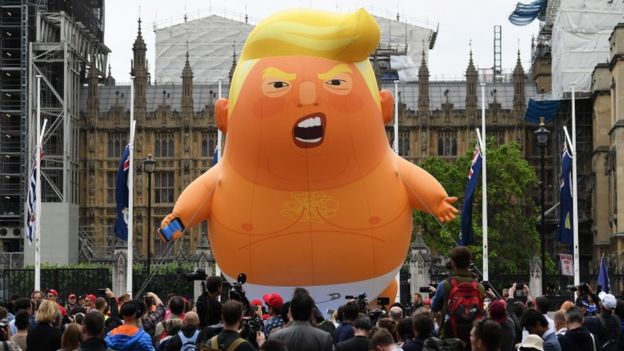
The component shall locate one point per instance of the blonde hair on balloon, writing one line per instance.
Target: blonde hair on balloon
(350, 37)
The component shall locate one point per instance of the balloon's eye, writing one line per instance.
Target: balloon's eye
(335, 82)
(279, 84)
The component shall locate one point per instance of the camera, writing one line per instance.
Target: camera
(149, 301)
(582, 288)
(236, 290)
(199, 274)
(383, 301)
(360, 300)
(101, 292)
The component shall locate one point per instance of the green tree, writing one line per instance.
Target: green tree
(512, 213)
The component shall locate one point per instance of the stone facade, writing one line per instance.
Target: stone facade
(608, 163)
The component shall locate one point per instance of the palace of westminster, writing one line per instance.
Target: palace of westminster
(176, 125)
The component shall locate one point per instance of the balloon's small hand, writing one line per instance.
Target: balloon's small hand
(171, 227)
(446, 212)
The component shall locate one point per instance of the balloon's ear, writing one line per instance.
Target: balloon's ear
(221, 113)
(387, 105)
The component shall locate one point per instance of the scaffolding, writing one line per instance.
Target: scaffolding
(62, 51)
(16, 27)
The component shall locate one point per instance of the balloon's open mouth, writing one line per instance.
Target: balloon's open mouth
(309, 130)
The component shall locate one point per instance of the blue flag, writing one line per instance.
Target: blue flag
(603, 275)
(215, 156)
(467, 234)
(121, 195)
(566, 234)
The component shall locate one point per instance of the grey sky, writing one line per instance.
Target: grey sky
(460, 21)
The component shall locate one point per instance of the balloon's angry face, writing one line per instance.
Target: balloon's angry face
(296, 113)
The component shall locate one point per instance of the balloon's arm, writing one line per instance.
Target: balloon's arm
(192, 207)
(424, 192)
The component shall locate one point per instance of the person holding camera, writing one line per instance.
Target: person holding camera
(229, 339)
(460, 292)
(208, 305)
(129, 336)
(154, 314)
(345, 330)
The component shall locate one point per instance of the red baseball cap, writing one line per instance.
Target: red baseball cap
(91, 297)
(53, 292)
(256, 302)
(498, 311)
(71, 295)
(273, 300)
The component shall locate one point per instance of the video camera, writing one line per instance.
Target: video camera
(251, 322)
(361, 301)
(199, 274)
(582, 288)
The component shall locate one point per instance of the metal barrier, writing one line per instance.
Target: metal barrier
(75, 280)
(164, 284)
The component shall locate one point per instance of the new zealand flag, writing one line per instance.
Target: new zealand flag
(467, 234)
(121, 195)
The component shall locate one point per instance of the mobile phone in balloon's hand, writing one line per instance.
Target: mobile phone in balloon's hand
(170, 229)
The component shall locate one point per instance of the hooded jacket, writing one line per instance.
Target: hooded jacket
(129, 338)
(578, 339)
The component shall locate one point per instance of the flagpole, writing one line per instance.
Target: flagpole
(130, 263)
(219, 141)
(577, 274)
(395, 146)
(38, 191)
(484, 218)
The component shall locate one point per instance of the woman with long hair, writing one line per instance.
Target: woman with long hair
(45, 336)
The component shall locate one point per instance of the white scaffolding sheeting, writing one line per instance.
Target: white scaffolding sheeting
(409, 41)
(580, 40)
(211, 42)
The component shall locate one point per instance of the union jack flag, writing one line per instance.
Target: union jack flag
(32, 201)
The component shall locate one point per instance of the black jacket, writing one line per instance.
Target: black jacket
(44, 337)
(578, 339)
(93, 344)
(356, 343)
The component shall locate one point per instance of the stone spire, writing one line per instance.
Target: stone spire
(109, 81)
(231, 74)
(93, 100)
(472, 79)
(518, 82)
(423, 87)
(187, 88)
(139, 71)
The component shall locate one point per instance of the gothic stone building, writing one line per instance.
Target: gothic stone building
(175, 124)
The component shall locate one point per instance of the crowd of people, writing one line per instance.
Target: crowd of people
(460, 314)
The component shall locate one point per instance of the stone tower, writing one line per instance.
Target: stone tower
(139, 71)
(472, 79)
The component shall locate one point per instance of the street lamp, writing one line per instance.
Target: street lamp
(148, 166)
(542, 139)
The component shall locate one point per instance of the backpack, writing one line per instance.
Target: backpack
(435, 344)
(213, 345)
(465, 305)
(188, 344)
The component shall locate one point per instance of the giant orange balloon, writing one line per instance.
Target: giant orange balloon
(308, 192)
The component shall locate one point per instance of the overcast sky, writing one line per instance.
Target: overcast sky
(460, 21)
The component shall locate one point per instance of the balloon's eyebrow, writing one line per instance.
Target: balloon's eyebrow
(272, 72)
(339, 68)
